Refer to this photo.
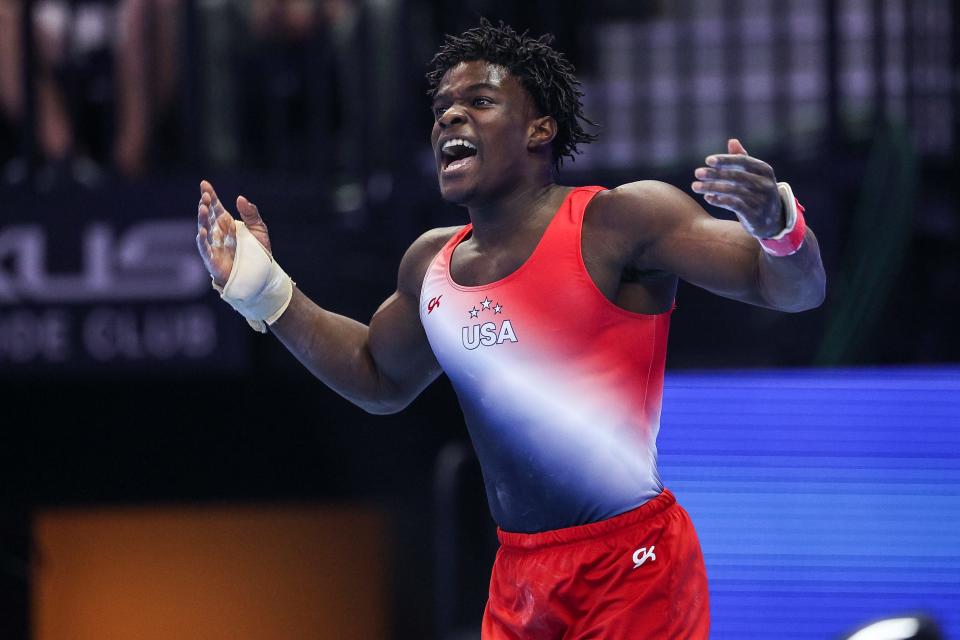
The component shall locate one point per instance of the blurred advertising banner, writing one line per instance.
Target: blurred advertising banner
(218, 572)
(108, 281)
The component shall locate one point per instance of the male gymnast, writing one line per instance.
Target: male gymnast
(549, 312)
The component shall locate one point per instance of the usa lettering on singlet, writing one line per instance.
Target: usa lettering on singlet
(560, 388)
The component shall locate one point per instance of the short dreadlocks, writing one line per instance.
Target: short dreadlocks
(544, 72)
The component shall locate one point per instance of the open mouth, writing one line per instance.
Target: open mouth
(457, 153)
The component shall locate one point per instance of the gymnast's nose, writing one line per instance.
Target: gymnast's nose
(452, 116)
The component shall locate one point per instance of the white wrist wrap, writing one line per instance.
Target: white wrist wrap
(257, 287)
(789, 208)
(788, 241)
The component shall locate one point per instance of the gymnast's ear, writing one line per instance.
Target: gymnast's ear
(542, 131)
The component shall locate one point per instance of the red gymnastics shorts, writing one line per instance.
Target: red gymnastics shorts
(636, 576)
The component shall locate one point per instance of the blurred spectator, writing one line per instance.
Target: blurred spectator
(298, 110)
(146, 76)
(292, 20)
(93, 58)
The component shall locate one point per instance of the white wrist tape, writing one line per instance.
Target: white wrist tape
(788, 241)
(257, 287)
(789, 207)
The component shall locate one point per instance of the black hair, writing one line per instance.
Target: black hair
(543, 71)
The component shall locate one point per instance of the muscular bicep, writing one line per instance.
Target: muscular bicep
(680, 237)
(397, 341)
(399, 347)
(380, 366)
(716, 255)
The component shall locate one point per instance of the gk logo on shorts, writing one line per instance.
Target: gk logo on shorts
(642, 554)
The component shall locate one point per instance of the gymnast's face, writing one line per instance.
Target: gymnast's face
(480, 136)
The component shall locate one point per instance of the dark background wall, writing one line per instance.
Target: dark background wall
(124, 380)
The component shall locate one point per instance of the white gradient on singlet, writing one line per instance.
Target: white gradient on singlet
(543, 427)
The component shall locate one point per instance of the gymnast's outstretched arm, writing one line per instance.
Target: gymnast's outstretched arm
(666, 230)
(380, 367)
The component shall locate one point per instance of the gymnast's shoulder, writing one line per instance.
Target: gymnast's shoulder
(418, 256)
(642, 210)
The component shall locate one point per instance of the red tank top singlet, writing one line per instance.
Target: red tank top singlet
(560, 388)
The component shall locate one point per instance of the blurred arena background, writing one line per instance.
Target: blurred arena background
(168, 473)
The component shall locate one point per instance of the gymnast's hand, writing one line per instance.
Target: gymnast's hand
(744, 185)
(217, 232)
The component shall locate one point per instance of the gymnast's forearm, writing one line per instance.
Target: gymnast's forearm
(796, 282)
(336, 350)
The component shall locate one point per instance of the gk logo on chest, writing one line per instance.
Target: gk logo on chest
(488, 334)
